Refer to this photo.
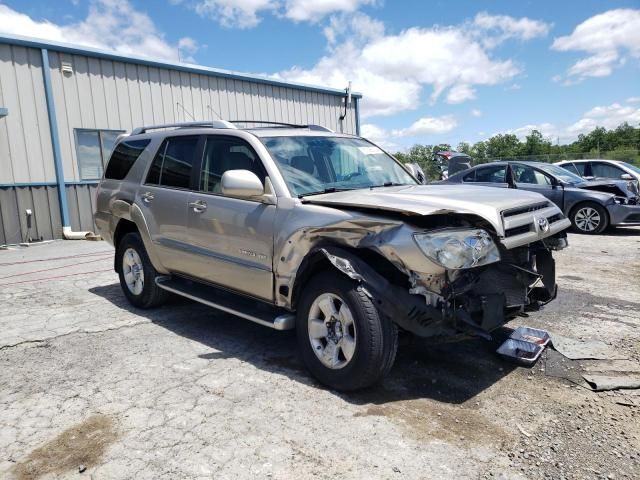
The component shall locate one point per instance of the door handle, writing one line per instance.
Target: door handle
(147, 197)
(198, 206)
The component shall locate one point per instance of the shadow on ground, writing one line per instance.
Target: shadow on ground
(445, 372)
(623, 232)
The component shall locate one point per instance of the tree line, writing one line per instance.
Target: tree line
(621, 143)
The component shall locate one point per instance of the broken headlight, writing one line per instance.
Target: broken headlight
(458, 249)
(621, 200)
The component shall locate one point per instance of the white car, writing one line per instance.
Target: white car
(599, 168)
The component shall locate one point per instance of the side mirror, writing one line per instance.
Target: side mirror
(241, 184)
(626, 176)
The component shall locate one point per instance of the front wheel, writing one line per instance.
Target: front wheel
(343, 339)
(589, 218)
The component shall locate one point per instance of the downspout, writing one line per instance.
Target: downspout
(357, 113)
(67, 233)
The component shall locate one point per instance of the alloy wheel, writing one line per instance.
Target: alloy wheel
(133, 271)
(332, 331)
(587, 219)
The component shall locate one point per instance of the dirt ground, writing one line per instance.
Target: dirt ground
(92, 388)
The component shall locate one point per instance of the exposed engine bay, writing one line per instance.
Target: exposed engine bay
(467, 302)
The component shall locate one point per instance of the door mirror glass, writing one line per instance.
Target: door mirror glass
(626, 176)
(241, 184)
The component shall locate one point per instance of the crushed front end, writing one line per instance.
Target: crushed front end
(462, 301)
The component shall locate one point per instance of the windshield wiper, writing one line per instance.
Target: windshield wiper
(326, 190)
(388, 184)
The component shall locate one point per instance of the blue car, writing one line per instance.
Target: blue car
(592, 206)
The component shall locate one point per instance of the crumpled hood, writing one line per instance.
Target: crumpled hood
(486, 202)
(607, 185)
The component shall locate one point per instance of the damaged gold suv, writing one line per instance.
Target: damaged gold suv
(300, 227)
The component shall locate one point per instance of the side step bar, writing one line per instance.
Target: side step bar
(249, 309)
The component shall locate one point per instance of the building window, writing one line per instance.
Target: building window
(93, 148)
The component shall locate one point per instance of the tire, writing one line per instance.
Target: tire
(366, 347)
(143, 293)
(589, 218)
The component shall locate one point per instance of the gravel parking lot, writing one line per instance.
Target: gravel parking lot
(92, 388)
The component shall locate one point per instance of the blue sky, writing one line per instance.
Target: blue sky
(431, 72)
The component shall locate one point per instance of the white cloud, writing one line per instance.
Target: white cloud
(373, 132)
(392, 70)
(633, 100)
(460, 93)
(607, 116)
(312, 11)
(356, 27)
(248, 13)
(606, 38)
(503, 27)
(428, 126)
(476, 113)
(380, 136)
(548, 130)
(234, 13)
(110, 25)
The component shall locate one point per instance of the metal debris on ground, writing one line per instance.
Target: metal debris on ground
(601, 383)
(575, 349)
(524, 346)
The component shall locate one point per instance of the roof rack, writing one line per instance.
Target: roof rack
(318, 128)
(210, 124)
(225, 124)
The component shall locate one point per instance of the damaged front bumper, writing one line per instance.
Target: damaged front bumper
(624, 215)
(474, 303)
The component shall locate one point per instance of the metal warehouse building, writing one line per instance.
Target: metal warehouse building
(62, 107)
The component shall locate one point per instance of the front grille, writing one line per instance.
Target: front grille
(633, 218)
(517, 230)
(555, 218)
(527, 209)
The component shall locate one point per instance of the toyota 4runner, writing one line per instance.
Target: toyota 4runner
(300, 227)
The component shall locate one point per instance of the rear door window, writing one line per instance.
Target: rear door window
(172, 164)
(606, 170)
(123, 158)
(577, 168)
(470, 177)
(494, 174)
(530, 175)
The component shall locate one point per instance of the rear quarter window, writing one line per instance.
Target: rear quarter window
(123, 157)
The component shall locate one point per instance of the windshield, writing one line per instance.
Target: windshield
(318, 164)
(559, 172)
(631, 167)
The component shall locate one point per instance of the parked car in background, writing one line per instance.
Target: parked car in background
(451, 162)
(592, 206)
(599, 168)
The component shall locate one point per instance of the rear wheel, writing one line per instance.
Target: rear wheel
(343, 340)
(137, 275)
(589, 218)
